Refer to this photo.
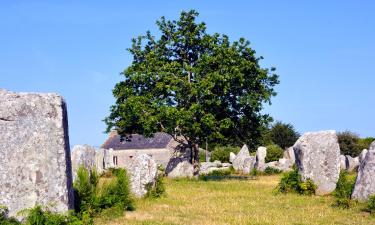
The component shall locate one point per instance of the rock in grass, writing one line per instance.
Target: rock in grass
(342, 162)
(289, 155)
(83, 155)
(249, 164)
(351, 163)
(261, 158)
(143, 172)
(179, 168)
(35, 163)
(232, 157)
(365, 183)
(318, 159)
(362, 155)
(239, 161)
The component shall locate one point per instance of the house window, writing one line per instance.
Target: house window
(115, 160)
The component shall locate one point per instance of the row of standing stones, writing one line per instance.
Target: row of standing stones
(36, 163)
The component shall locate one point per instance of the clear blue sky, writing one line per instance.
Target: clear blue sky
(324, 52)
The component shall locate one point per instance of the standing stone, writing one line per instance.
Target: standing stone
(239, 161)
(82, 155)
(318, 159)
(180, 169)
(342, 162)
(99, 160)
(365, 184)
(289, 155)
(143, 172)
(372, 146)
(249, 164)
(108, 159)
(362, 155)
(35, 163)
(351, 163)
(261, 158)
(232, 157)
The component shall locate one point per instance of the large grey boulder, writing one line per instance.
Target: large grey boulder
(205, 166)
(239, 161)
(342, 160)
(318, 159)
(83, 155)
(351, 163)
(35, 163)
(362, 155)
(249, 164)
(180, 169)
(143, 172)
(104, 160)
(261, 158)
(283, 164)
(365, 183)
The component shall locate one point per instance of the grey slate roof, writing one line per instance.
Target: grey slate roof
(136, 141)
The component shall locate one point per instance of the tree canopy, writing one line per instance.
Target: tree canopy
(189, 83)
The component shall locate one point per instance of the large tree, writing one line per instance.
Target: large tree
(192, 84)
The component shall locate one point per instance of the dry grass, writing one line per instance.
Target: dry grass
(238, 202)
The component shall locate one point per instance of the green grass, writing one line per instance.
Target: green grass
(238, 202)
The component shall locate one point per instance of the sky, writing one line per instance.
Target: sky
(324, 53)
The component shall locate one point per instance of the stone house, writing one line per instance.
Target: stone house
(161, 147)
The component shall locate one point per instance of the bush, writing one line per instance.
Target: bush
(254, 172)
(371, 204)
(85, 187)
(4, 219)
(157, 190)
(222, 153)
(38, 216)
(274, 153)
(348, 142)
(292, 182)
(281, 134)
(215, 175)
(344, 189)
(271, 170)
(364, 143)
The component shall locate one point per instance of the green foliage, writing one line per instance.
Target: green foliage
(274, 153)
(156, 190)
(39, 216)
(271, 171)
(4, 219)
(349, 143)
(281, 134)
(222, 153)
(344, 189)
(364, 143)
(254, 172)
(85, 187)
(371, 204)
(292, 182)
(216, 175)
(188, 82)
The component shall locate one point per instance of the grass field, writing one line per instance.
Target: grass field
(238, 202)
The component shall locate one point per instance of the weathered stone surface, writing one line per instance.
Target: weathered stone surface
(82, 155)
(180, 169)
(318, 158)
(205, 166)
(226, 165)
(261, 158)
(249, 164)
(35, 163)
(232, 157)
(351, 163)
(143, 171)
(342, 160)
(283, 165)
(372, 146)
(239, 161)
(365, 184)
(103, 160)
(289, 154)
(108, 159)
(362, 155)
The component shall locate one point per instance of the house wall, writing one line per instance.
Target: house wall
(124, 157)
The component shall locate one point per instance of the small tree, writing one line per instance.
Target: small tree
(192, 84)
(281, 134)
(349, 143)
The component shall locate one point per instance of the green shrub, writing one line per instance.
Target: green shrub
(364, 143)
(371, 204)
(281, 134)
(271, 170)
(38, 216)
(222, 153)
(254, 172)
(156, 190)
(216, 175)
(85, 187)
(292, 182)
(349, 143)
(344, 189)
(274, 153)
(4, 219)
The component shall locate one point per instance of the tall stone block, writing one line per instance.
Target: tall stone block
(83, 155)
(318, 159)
(35, 164)
(365, 183)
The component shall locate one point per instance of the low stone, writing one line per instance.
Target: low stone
(351, 163)
(181, 169)
(207, 165)
(249, 164)
(232, 157)
(226, 165)
(289, 154)
(143, 172)
(261, 158)
(82, 155)
(365, 183)
(239, 161)
(318, 159)
(342, 162)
